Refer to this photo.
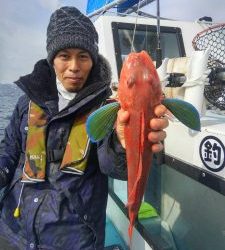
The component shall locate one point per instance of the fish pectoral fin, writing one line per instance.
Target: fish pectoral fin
(185, 112)
(101, 122)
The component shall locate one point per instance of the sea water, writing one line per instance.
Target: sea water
(9, 95)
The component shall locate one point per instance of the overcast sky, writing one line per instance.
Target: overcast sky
(23, 27)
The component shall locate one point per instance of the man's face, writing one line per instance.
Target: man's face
(72, 67)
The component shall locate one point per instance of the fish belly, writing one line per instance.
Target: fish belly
(139, 159)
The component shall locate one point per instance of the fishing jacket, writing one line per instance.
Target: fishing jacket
(67, 210)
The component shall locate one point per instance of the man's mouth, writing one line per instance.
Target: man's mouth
(75, 79)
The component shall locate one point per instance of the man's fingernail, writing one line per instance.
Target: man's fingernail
(169, 117)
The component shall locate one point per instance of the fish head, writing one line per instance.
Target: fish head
(138, 75)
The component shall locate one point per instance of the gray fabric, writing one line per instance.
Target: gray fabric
(63, 102)
(69, 28)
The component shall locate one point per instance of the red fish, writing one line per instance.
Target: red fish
(139, 91)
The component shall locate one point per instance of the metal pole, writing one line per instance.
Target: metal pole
(135, 7)
(161, 155)
(106, 7)
(158, 49)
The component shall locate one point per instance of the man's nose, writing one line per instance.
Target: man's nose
(74, 65)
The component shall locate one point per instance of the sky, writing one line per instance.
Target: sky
(23, 27)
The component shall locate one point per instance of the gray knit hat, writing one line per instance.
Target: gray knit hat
(69, 28)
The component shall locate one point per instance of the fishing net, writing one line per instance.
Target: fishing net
(213, 38)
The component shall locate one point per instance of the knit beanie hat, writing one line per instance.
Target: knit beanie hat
(69, 28)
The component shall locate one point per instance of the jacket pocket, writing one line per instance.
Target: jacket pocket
(86, 221)
(8, 205)
(6, 191)
(58, 226)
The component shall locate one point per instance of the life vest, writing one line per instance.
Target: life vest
(76, 151)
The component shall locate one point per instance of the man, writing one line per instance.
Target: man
(56, 180)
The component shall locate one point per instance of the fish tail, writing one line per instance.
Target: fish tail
(130, 230)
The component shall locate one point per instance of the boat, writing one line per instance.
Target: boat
(186, 185)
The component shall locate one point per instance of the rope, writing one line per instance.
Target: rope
(135, 27)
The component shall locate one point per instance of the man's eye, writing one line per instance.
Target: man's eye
(64, 56)
(84, 56)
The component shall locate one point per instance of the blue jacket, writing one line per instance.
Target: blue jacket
(66, 211)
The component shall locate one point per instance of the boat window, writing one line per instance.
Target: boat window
(185, 208)
(145, 38)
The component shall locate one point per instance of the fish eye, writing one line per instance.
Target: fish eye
(130, 81)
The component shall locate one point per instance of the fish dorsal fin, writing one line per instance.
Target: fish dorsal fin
(101, 122)
(184, 112)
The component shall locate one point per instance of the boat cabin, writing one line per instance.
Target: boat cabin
(186, 186)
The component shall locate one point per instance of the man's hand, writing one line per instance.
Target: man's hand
(157, 125)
